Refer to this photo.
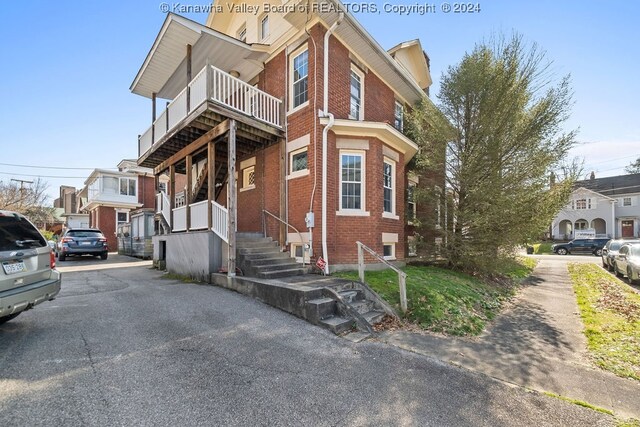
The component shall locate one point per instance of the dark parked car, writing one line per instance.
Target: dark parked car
(82, 241)
(610, 251)
(580, 246)
(28, 276)
(627, 262)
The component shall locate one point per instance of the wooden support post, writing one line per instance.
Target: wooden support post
(166, 108)
(189, 191)
(360, 262)
(188, 78)
(172, 193)
(283, 194)
(402, 279)
(211, 180)
(153, 118)
(232, 197)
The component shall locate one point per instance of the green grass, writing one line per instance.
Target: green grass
(518, 268)
(610, 310)
(542, 248)
(579, 403)
(446, 301)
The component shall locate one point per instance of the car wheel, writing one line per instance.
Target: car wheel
(615, 270)
(103, 256)
(9, 317)
(562, 251)
(62, 257)
(630, 276)
(598, 252)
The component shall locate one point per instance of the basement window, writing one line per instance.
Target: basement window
(248, 178)
(298, 163)
(389, 251)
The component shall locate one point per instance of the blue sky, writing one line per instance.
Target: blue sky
(67, 66)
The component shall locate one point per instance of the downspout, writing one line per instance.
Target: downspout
(325, 113)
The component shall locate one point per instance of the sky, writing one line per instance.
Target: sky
(67, 67)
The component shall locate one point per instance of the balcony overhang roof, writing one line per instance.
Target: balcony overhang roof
(164, 70)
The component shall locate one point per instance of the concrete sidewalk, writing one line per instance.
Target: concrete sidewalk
(537, 343)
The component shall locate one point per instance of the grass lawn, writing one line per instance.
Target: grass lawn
(610, 310)
(451, 302)
(542, 248)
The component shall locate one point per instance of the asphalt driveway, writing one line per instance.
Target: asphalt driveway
(122, 346)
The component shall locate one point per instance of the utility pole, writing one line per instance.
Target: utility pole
(22, 182)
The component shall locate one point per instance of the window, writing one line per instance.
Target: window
(122, 217)
(127, 186)
(399, 117)
(626, 201)
(297, 251)
(581, 224)
(264, 27)
(249, 178)
(110, 184)
(389, 250)
(411, 201)
(351, 180)
(298, 162)
(438, 213)
(242, 33)
(388, 184)
(355, 109)
(582, 204)
(300, 79)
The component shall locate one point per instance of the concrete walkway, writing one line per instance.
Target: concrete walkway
(537, 343)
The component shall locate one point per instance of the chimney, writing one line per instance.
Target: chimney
(593, 175)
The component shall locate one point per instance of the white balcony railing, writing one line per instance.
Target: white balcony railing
(214, 85)
(163, 206)
(180, 219)
(220, 220)
(199, 218)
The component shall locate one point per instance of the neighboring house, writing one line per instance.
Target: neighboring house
(272, 101)
(112, 195)
(610, 207)
(69, 203)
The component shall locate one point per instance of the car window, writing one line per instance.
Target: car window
(624, 250)
(84, 233)
(17, 233)
(635, 250)
(615, 246)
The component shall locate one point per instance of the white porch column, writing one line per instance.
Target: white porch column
(613, 219)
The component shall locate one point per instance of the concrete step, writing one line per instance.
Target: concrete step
(373, 316)
(262, 243)
(281, 273)
(320, 308)
(357, 336)
(249, 236)
(259, 250)
(276, 267)
(351, 295)
(337, 324)
(362, 306)
(283, 258)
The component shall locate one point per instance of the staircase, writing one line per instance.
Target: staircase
(344, 308)
(261, 257)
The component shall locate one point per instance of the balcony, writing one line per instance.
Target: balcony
(210, 90)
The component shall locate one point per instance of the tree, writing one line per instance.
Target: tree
(633, 167)
(28, 199)
(499, 123)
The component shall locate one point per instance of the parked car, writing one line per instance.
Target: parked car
(627, 262)
(580, 246)
(28, 276)
(610, 251)
(82, 241)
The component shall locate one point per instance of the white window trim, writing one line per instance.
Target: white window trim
(393, 250)
(120, 179)
(363, 186)
(292, 57)
(242, 31)
(300, 173)
(293, 252)
(624, 204)
(393, 214)
(360, 74)
(395, 109)
(261, 21)
(245, 178)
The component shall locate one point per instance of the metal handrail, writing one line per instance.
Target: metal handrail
(264, 211)
(402, 276)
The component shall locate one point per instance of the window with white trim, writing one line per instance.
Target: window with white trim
(388, 186)
(298, 162)
(626, 201)
(399, 116)
(411, 201)
(389, 250)
(581, 224)
(264, 27)
(356, 94)
(128, 186)
(299, 78)
(438, 213)
(242, 33)
(298, 250)
(580, 204)
(248, 178)
(122, 217)
(352, 180)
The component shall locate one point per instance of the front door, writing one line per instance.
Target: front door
(627, 228)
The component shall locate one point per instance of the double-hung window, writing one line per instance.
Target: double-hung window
(264, 27)
(299, 79)
(399, 116)
(388, 187)
(127, 186)
(351, 181)
(356, 94)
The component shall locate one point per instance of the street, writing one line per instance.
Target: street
(123, 346)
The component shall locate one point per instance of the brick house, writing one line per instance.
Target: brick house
(112, 195)
(283, 123)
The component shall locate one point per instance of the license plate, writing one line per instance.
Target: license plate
(14, 267)
(85, 243)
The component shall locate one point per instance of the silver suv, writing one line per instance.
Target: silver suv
(28, 275)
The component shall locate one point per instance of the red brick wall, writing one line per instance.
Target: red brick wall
(146, 191)
(104, 218)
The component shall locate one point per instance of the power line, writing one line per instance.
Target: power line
(43, 176)
(51, 167)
